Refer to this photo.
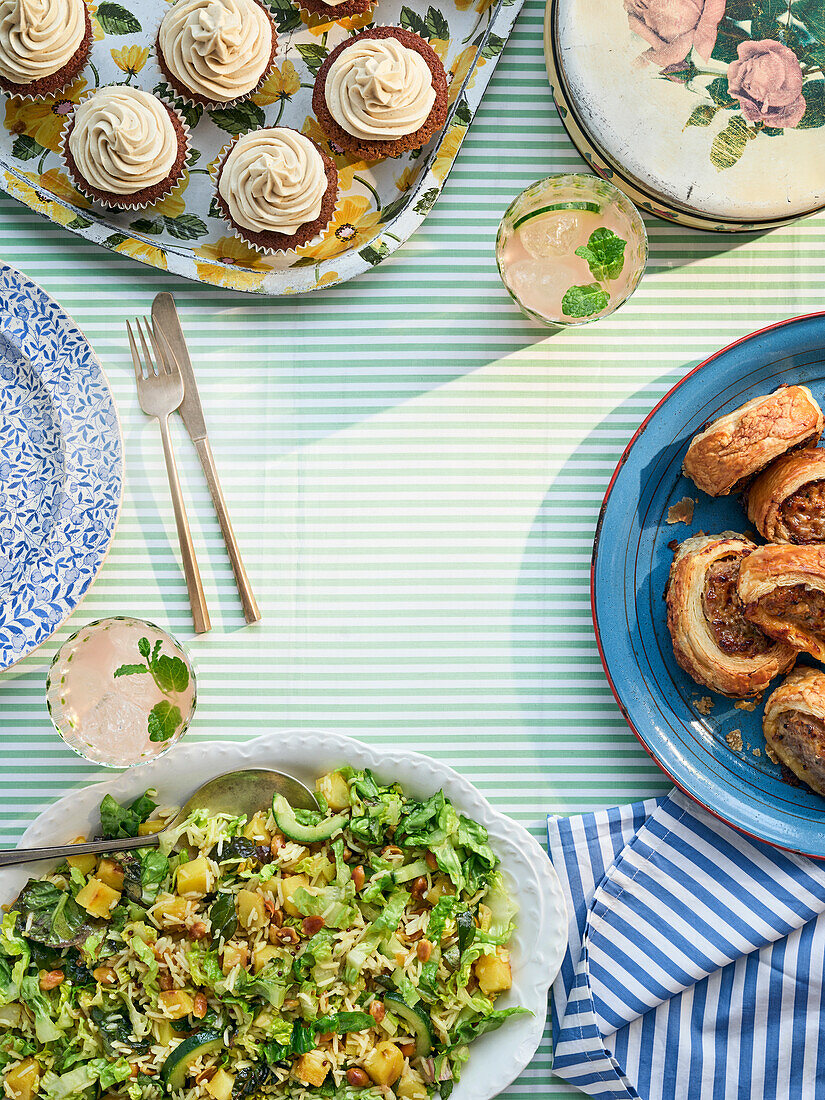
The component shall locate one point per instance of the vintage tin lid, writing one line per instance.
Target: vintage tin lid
(705, 112)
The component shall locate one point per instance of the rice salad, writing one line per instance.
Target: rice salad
(349, 953)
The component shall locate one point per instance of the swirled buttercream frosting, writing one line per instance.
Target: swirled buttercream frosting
(38, 37)
(378, 88)
(273, 181)
(218, 49)
(123, 140)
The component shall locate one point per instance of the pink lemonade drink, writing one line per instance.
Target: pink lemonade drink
(570, 249)
(120, 692)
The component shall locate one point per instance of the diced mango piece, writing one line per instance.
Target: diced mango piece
(98, 899)
(194, 878)
(335, 790)
(288, 887)
(23, 1080)
(220, 1087)
(385, 1063)
(175, 1003)
(172, 909)
(411, 1086)
(149, 828)
(262, 954)
(493, 972)
(111, 873)
(441, 887)
(85, 864)
(251, 911)
(312, 1068)
(255, 829)
(234, 954)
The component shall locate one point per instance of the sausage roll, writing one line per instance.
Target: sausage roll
(794, 725)
(738, 445)
(712, 640)
(782, 589)
(786, 503)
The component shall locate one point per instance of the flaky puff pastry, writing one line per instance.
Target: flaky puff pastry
(794, 725)
(774, 584)
(738, 445)
(783, 503)
(696, 644)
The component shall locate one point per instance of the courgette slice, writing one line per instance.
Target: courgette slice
(173, 1071)
(417, 1019)
(590, 207)
(289, 825)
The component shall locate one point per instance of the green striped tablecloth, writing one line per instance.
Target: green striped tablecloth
(414, 474)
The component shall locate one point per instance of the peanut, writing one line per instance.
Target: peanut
(357, 1077)
(105, 975)
(286, 935)
(199, 1007)
(358, 877)
(431, 861)
(407, 1049)
(165, 982)
(51, 979)
(424, 950)
(311, 925)
(419, 887)
(377, 1011)
(198, 930)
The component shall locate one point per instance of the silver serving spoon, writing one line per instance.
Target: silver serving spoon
(241, 792)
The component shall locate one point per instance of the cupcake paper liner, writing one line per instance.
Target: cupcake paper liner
(179, 91)
(304, 246)
(124, 204)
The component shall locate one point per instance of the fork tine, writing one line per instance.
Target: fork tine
(163, 365)
(169, 357)
(135, 357)
(151, 367)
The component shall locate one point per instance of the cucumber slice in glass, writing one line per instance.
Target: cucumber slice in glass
(591, 207)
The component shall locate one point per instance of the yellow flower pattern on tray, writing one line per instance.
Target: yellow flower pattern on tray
(184, 232)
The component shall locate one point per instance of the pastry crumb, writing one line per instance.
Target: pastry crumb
(757, 752)
(703, 705)
(681, 512)
(771, 755)
(747, 704)
(734, 740)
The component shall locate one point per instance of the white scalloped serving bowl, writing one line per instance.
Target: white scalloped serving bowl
(541, 936)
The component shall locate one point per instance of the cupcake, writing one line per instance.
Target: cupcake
(125, 147)
(276, 188)
(43, 45)
(328, 11)
(381, 93)
(215, 52)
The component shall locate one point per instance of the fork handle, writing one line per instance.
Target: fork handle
(197, 600)
(248, 602)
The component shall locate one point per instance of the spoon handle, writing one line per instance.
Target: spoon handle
(30, 855)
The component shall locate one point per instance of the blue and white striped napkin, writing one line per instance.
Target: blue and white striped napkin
(696, 959)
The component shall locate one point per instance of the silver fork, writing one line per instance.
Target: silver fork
(160, 392)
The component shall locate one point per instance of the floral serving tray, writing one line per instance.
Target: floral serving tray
(706, 112)
(382, 203)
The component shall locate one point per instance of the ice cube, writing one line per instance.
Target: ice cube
(550, 234)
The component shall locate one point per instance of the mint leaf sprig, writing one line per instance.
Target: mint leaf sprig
(171, 675)
(604, 253)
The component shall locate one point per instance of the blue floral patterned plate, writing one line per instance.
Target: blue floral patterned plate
(692, 733)
(61, 466)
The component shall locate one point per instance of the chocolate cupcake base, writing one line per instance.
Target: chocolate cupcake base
(284, 242)
(55, 82)
(374, 150)
(318, 12)
(146, 195)
(189, 96)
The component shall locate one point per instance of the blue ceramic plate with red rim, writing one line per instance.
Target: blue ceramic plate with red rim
(687, 729)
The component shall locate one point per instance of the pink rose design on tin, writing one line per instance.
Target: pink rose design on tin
(767, 81)
(674, 27)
